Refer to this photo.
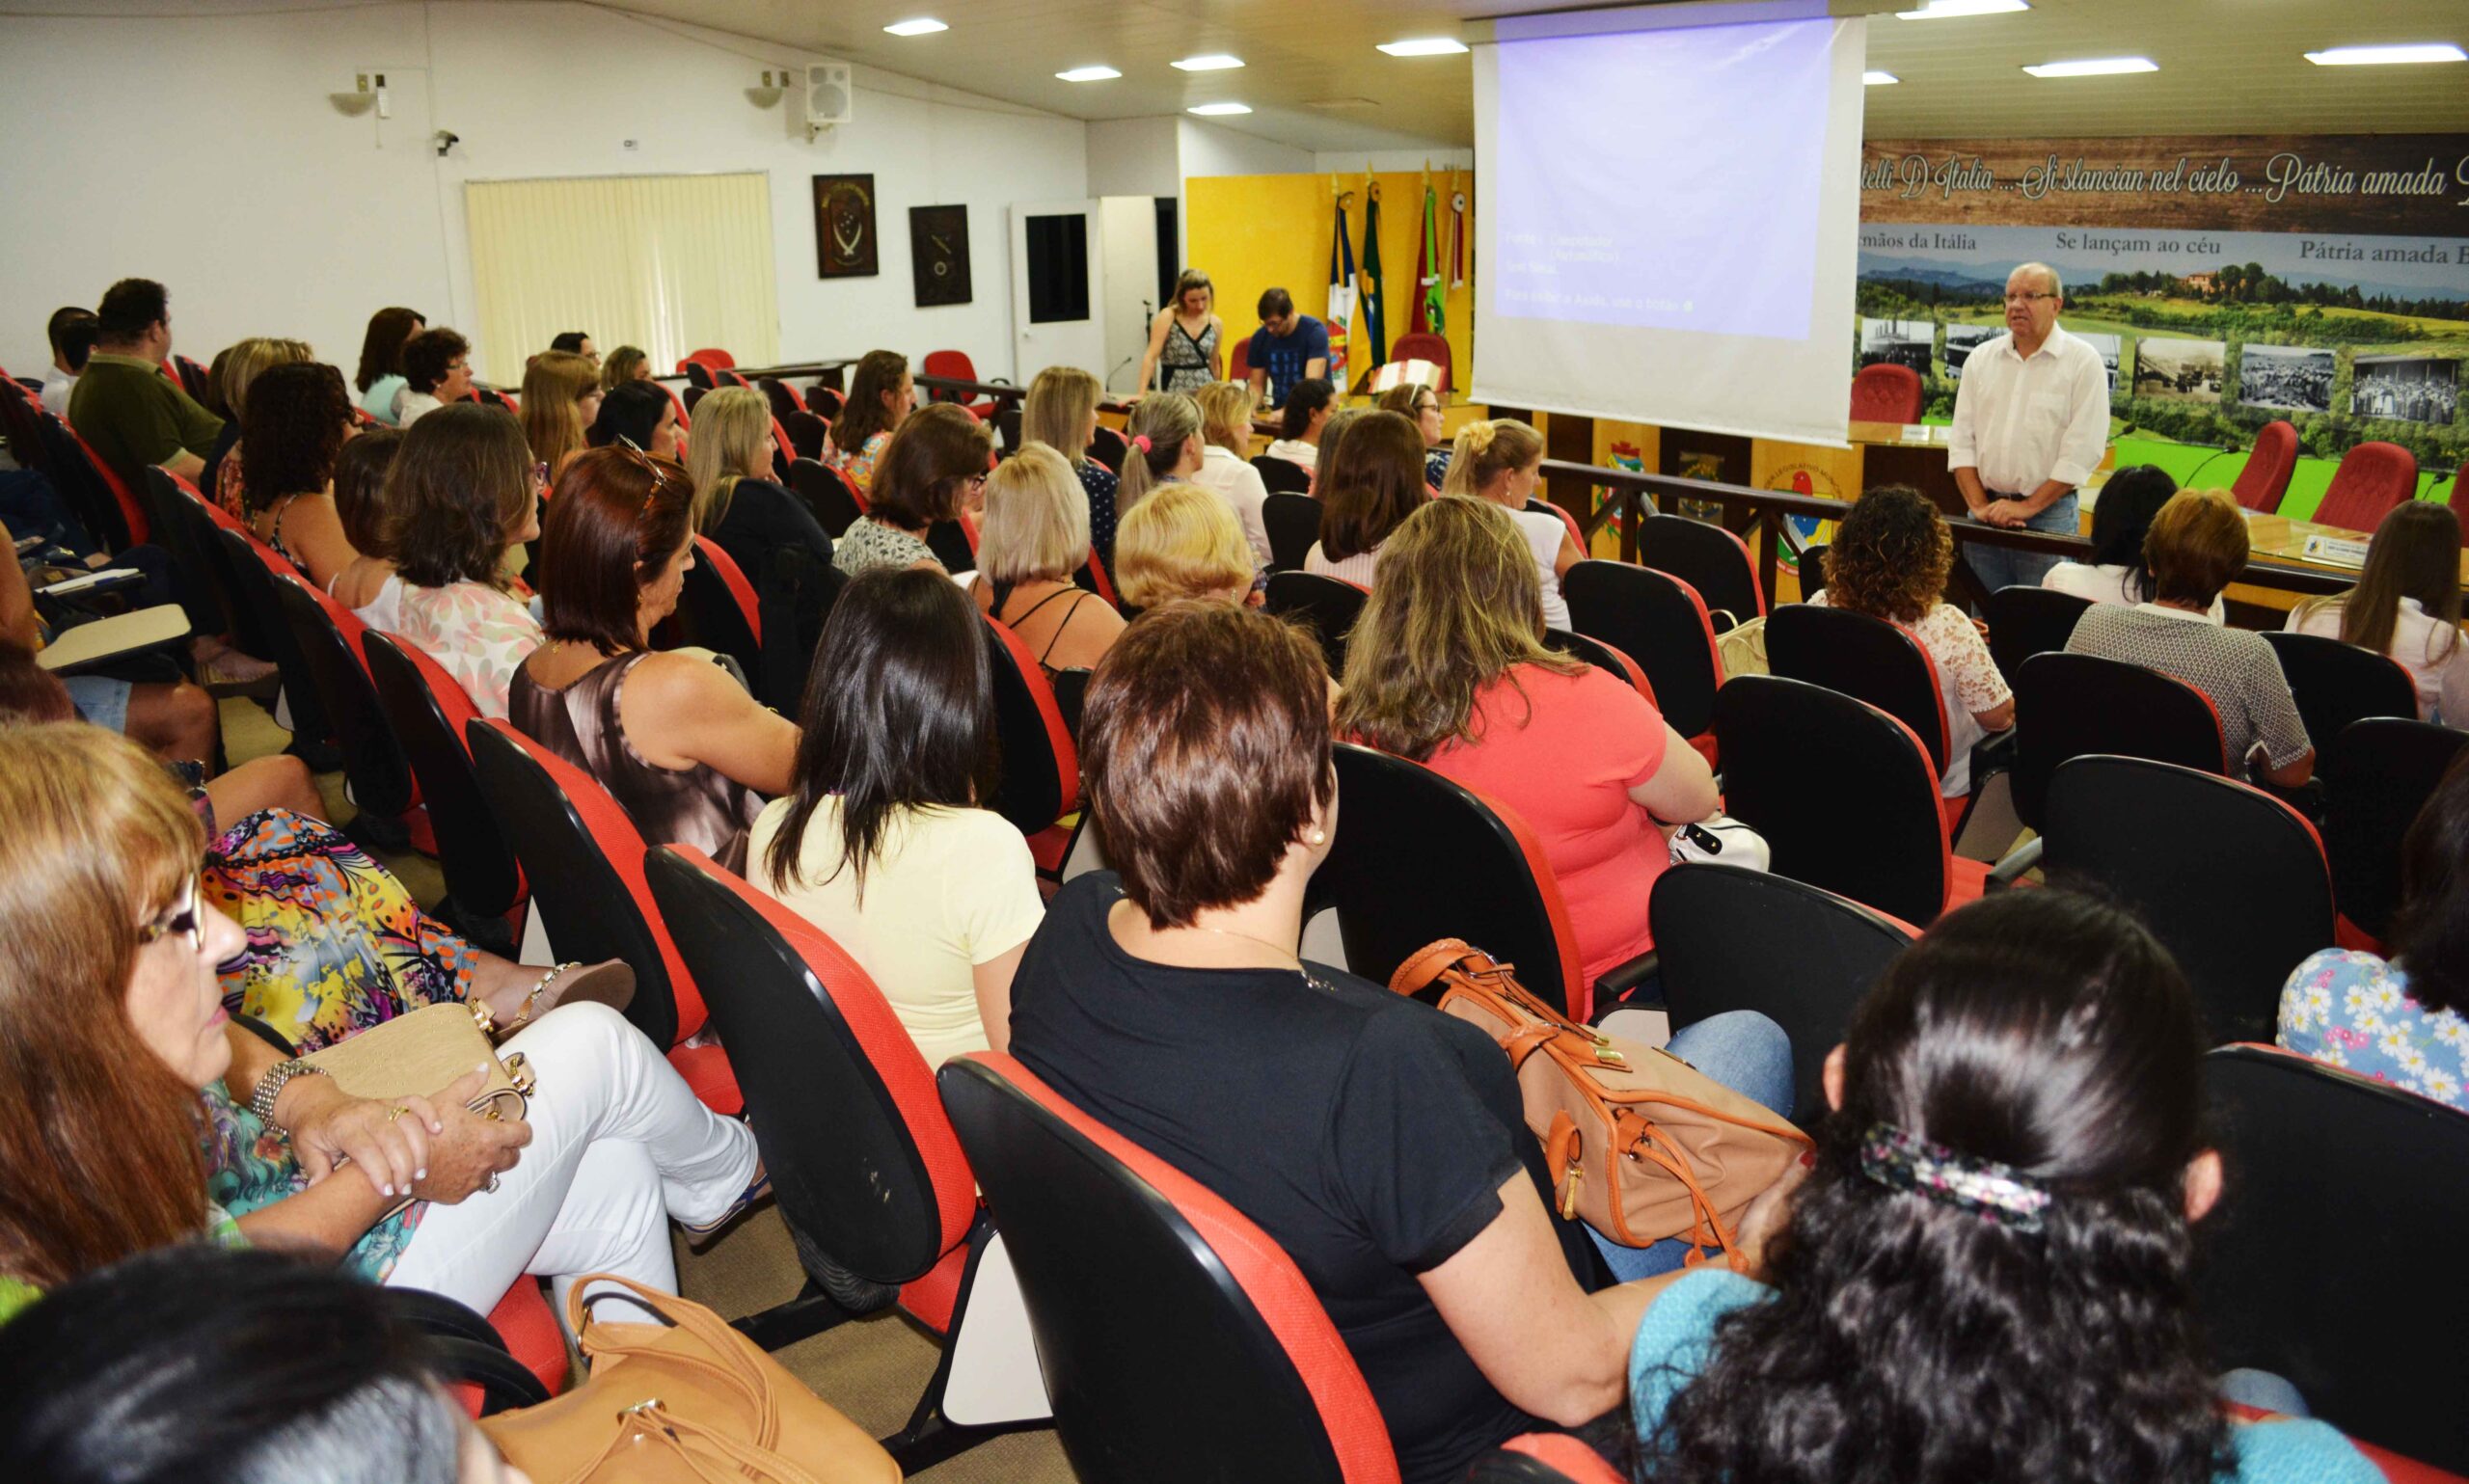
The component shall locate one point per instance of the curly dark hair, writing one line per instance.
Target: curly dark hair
(1890, 556)
(1914, 1341)
(290, 430)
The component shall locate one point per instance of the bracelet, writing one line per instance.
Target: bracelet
(270, 1087)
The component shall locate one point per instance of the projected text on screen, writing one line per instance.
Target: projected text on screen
(1663, 178)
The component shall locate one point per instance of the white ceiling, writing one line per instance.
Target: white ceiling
(2226, 66)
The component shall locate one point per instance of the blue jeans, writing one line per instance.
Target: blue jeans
(2002, 566)
(1746, 1052)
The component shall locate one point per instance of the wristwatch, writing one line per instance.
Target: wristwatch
(270, 1087)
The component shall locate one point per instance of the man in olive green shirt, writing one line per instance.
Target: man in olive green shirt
(126, 410)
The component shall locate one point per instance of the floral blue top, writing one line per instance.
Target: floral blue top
(1100, 483)
(249, 1167)
(2353, 1010)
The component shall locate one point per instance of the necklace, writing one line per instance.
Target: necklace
(1309, 978)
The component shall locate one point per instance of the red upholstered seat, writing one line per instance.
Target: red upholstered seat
(2264, 480)
(1886, 392)
(1426, 347)
(956, 365)
(528, 1326)
(1040, 783)
(2372, 479)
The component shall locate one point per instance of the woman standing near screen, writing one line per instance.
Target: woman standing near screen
(1182, 339)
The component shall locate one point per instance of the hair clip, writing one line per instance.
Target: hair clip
(1902, 1161)
(1140, 441)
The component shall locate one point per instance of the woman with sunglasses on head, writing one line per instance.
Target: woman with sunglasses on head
(680, 745)
(638, 413)
(1987, 1276)
(932, 470)
(463, 491)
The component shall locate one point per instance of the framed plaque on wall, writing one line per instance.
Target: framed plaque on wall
(844, 227)
(939, 250)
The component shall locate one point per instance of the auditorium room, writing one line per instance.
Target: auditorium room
(1278, 742)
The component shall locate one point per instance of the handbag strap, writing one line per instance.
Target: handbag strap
(727, 1347)
(648, 1421)
(1429, 961)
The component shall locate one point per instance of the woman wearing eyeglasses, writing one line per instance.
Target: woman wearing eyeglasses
(1421, 403)
(932, 470)
(463, 490)
(680, 745)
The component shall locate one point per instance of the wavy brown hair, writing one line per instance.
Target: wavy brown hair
(456, 495)
(381, 349)
(617, 520)
(862, 411)
(1459, 606)
(98, 1139)
(1891, 555)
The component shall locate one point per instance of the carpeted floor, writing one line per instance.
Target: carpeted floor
(873, 1369)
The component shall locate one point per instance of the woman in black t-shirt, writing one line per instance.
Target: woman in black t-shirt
(1379, 1142)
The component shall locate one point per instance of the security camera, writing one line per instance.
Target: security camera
(447, 139)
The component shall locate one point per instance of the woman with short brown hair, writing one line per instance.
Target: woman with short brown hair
(933, 469)
(463, 490)
(1370, 483)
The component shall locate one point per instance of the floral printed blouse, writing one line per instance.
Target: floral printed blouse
(249, 1167)
(478, 633)
(859, 465)
(2353, 1010)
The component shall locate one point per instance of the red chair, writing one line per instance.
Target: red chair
(782, 396)
(1331, 607)
(1886, 392)
(2071, 706)
(1544, 1458)
(1707, 557)
(1661, 622)
(584, 859)
(429, 711)
(829, 493)
(110, 507)
(1603, 657)
(1561, 513)
(1425, 347)
(1040, 782)
(2460, 492)
(955, 365)
(2372, 479)
(1238, 360)
(1170, 1327)
(717, 607)
(1109, 447)
(383, 786)
(682, 418)
(710, 359)
(1094, 578)
(1875, 661)
(2264, 480)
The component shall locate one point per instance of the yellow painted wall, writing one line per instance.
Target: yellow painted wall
(1253, 233)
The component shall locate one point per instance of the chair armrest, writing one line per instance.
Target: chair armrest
(1635, 984)
(2006, 873)
(2307, 798)
(1994, 753)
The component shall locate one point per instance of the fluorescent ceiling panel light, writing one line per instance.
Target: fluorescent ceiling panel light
(1214, 62)
(1089, 74)
(1218, 110)
(1880, 79)
(1430, 46)
(1948, 9)
(921, 26)
(2097, 66)
(2385, 56)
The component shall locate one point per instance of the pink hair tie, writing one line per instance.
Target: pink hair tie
(1140, 441)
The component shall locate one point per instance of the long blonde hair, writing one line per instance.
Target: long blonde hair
(553, 387)
(1167, 420)
(729, 425)
(1457, 606)
(1061, 401)
(1488, 451)
(1226, 417)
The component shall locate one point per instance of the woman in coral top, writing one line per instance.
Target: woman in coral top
(1447, 666)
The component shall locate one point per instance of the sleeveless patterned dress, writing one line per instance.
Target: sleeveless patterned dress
(1186, 361)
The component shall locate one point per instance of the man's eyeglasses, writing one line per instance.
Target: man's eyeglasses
(2027, 298)
(183, 919)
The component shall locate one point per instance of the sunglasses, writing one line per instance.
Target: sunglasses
(661, 474)
(185, 919)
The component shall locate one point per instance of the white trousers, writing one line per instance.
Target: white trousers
(619, 1144)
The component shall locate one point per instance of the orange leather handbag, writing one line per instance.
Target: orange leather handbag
(688, 1402)
(1641, 1145)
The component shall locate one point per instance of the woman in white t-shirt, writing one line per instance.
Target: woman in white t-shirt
(1500, 462)
(1890, 559)
(1225, 462)
(2406, 603)
(879, 842)
(2117, 573)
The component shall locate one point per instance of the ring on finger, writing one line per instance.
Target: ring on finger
(396, 1112)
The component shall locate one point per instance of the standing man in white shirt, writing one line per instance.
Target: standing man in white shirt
(2031, 422)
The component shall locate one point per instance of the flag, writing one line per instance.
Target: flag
(1376, 344)
(1431, 304)
(1340, 316)
(1456, 234)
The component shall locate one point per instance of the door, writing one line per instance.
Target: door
(1058, 273)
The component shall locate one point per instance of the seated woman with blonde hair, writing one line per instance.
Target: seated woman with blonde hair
(1225, 459)
(1182, 543)
(1036, 536)
(736, 501)
(1500, 462)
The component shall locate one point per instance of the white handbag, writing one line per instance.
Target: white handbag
(1722, 841)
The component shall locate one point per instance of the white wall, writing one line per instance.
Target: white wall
(217, 164)
(1353, 162)
(1135, 157)
(1208, 149)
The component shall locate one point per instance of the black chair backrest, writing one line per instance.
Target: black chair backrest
(2377, 773)
(794, 594)
(777, 393)
(1007, 425)
(591, 914)
(1109, 447)
(2229, 877)
(471, 850)
(1032, 791)
(708, 614)
(170, 528)
(1187, 1380)
(312, 730)
(1707, 557)
(1812, 570)
(851, 1180)
(1596, 653)
(825, 494)
(2027, 621)
(1417, 858)
(2324, 1164)
(1870, 828)
(1329, 605)
(1282, 476)
(1869, 657)
(202, 534)
(1657, 620)
(806, 433)
(2336, 684)
(1070, 696)
(381, 779)
(1294, 522)
(21, 416)
(80, 482)
(950, 544)
(1731, 939)
(2070, 706)
(698, 378)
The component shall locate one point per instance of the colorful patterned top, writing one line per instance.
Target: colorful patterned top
(859, 465)
(478, 633)
(249, 1167)
(2353, 1010)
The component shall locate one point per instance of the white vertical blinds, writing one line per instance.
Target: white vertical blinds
(671, 263)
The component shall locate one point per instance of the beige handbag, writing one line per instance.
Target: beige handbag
(691, 1401)
(1743, 648)
(1641, 1145)
(415, 1055)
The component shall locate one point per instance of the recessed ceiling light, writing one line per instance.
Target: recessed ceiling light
(2097, 66)
(1217, 110)
(1880, 79)
(1429, 46)
(921, 26)
(1948, 9)
(2381, 56)
(1214, 62)
(1089, 74)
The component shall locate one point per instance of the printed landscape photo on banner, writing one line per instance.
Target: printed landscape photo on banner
(1897, 342)
(2188, 371)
